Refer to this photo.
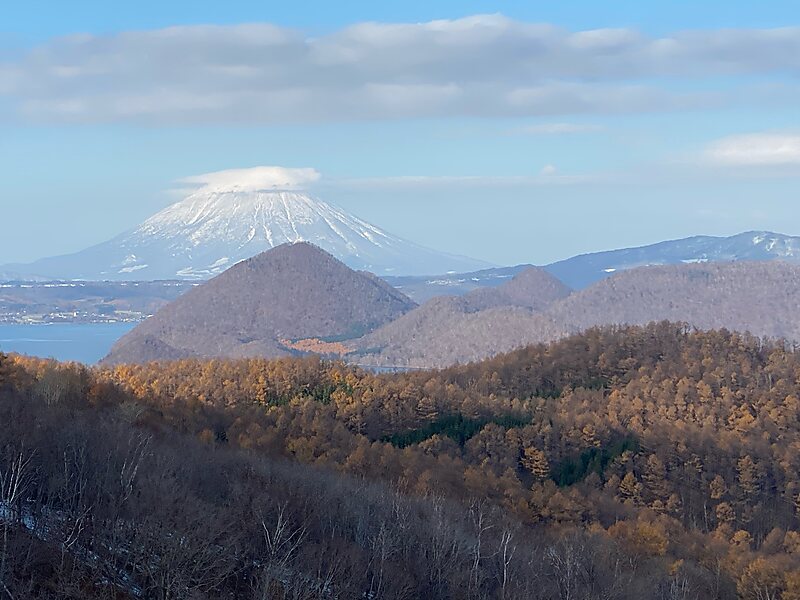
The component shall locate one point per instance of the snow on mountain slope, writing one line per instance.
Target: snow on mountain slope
(580, 271)
(235, 216)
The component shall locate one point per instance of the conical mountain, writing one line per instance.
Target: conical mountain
(234, 216)
(260, 306)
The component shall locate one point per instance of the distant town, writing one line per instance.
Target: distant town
(31, 303)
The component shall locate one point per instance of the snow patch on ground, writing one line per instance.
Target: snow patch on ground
(132, 269)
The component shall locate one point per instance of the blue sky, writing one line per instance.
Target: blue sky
(536, 131)
(40, 19)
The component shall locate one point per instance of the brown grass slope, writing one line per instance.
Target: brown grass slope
(291, 292)
(762, 298)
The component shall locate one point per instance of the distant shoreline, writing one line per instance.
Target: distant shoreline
(4, 320)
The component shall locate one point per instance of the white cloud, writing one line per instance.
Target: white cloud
(483, 65)
(548, 171)
(254, 179)
(756, 149)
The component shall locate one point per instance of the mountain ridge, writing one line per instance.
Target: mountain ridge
(760, 297)
(584, 269)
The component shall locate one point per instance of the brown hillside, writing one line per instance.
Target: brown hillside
(450, 329)
(533, 288)
(762, 298)
(291, 292)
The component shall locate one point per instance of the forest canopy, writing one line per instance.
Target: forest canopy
(639, 462)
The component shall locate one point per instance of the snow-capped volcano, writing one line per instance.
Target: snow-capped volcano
(234, 216)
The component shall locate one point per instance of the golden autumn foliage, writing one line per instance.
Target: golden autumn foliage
(677, 445)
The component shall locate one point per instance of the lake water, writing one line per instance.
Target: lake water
(82, 342)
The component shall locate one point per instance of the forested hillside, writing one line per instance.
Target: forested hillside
(260, 306)
(643, 462)
(760, 297)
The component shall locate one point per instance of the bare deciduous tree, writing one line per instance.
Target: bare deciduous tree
(16, 478)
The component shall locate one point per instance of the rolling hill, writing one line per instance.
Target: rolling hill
(257, 307)
(762, 298)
